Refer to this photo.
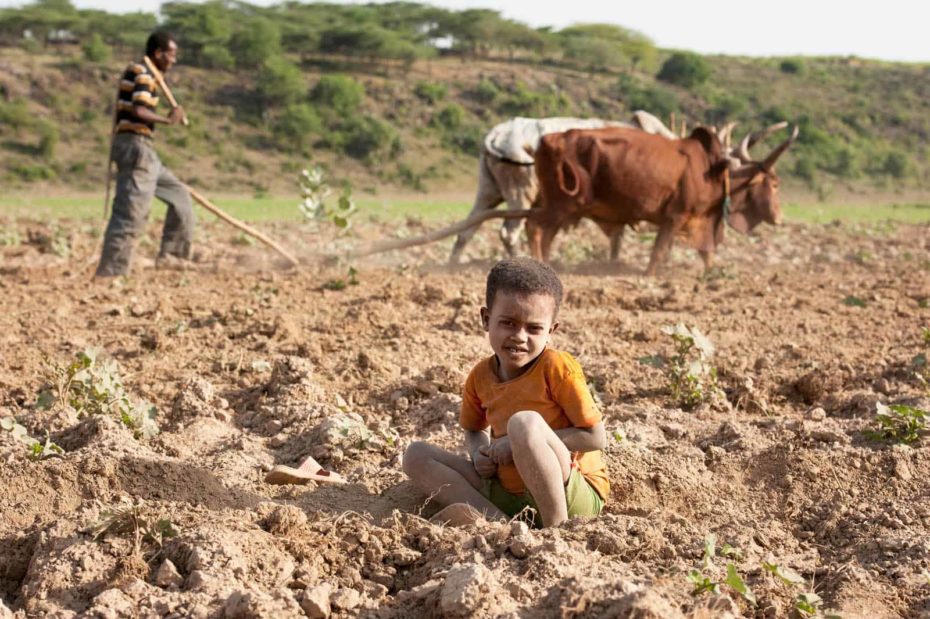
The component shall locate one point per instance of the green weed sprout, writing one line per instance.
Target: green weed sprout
(37, 449)
(898, 423)
(807, 603)
(702, 582)
(691, 377)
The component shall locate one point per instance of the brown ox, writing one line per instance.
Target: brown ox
(620, 176)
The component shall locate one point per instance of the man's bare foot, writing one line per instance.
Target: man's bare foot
(458, 515)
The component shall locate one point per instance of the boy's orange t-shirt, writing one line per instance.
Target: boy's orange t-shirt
(554, 387)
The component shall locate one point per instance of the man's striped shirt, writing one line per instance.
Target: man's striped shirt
(137, 87)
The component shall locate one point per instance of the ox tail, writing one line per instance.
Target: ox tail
(442, 233)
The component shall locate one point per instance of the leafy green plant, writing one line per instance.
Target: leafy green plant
(94, 387)
(37, 449)
(806, 603)
(702, 581)
(314, 189)
(691, 378)
(898, 423)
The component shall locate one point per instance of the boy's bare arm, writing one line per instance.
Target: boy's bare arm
(475, 440)
(477, 445)
(584, 439)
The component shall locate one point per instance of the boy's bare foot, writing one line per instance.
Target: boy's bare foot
(458, 515)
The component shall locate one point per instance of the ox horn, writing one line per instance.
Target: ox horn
(758, 136)
(742, 151)
(726, 133)
(751, 139)
(769, 162)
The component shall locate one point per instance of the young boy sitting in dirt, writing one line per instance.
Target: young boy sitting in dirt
(532, 429)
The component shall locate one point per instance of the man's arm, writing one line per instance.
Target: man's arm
(146, 114)
(584, 439)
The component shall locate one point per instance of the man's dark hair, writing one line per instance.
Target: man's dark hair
(160, 39)
(523, 276)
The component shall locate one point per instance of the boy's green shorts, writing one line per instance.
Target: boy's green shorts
(582, 498)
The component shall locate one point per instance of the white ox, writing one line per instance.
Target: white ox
(505, 169)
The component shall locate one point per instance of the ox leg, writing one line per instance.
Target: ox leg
(519, 188)
(534, 234)
(488, 196)
(547, 237)
(662, 246)
(708, 257)
(615, 234)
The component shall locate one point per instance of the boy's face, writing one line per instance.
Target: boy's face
(518, 329)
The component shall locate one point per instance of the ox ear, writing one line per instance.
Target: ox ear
(707, 140)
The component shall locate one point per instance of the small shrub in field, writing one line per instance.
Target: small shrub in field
(48, 140)
(339, 92)
(31, 172)
(486, 91)
(280, 82)
(93, 387)
(430, 92)
(792, 66)
(295, 127)
(362, 137)
(450, 117)
(95, 49)
(638, 96)
(898, 423)
(691, 378)
(15, 115)
(685, 69)
(897, 165)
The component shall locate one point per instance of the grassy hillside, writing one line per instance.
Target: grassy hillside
(415, 125)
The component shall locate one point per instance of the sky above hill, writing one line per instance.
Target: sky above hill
(886, 30)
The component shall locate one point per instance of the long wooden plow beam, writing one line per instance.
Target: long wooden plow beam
(240, 224)
(442, 233)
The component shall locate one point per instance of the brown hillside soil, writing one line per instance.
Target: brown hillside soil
(251, 366)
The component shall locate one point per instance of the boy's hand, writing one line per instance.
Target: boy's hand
(484, 466)
(500, 451)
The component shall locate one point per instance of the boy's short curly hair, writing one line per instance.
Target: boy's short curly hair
(523, 276)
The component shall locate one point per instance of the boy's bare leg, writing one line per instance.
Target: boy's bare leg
(544, 463)
(447, 477)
